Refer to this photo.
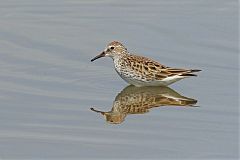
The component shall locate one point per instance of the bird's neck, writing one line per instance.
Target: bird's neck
(117, 57)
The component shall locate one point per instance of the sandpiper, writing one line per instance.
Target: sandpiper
(142, 71)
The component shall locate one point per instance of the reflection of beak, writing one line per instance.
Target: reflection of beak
(97, 111)
(98, 56)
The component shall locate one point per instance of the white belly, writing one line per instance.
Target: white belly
(139, 83)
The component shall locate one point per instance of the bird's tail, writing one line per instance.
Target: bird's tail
(188, 73)
(194, 70)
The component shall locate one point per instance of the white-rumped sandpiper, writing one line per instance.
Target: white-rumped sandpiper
(141, 71)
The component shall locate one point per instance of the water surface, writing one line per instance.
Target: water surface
(48, 84)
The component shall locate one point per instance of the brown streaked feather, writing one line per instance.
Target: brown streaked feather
(144, 60)
(160, 76)
(145, 67)
(152, 70)
(181, 72)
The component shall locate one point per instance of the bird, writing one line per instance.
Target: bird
(142, 71)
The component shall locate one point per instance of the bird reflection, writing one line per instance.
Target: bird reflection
(139, 100)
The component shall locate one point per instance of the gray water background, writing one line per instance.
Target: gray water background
(48, 84)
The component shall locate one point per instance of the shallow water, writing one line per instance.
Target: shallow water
(48, 84)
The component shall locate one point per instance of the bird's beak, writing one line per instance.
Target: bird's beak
(99, 56)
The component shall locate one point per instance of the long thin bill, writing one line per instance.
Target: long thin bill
(98, 56)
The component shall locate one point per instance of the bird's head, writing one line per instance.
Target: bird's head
(113, 49)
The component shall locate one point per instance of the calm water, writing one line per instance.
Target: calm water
(48, 84)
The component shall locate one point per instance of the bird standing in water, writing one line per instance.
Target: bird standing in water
(142, 71)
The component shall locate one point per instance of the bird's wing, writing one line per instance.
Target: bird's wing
(151, 69)
(169, 72)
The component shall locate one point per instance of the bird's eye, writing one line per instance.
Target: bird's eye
(111, 47)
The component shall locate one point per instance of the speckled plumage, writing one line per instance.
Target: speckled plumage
(142, 71)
